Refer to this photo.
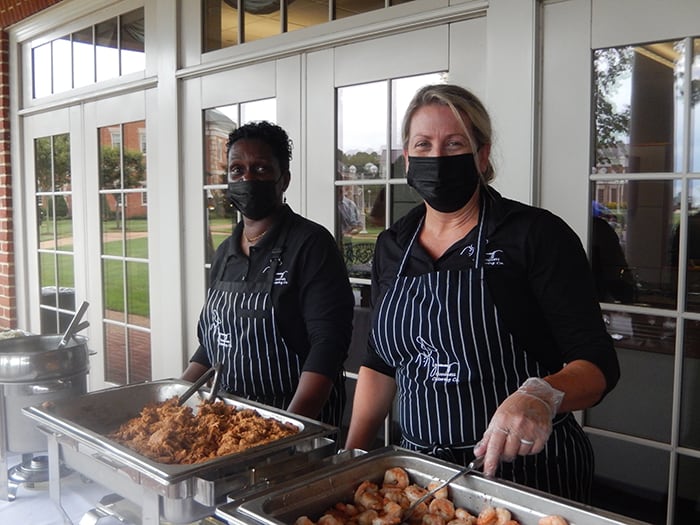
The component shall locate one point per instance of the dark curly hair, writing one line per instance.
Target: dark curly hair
(271, 134)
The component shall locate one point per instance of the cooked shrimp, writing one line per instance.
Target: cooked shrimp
(396, 495)
(502, 516)
(366, 517)
(414, 492)
(487, 516)
(443, 507)
(368, 497)
(348, 509)
(552, 520)
(396, 477)
(303, 520)
(330, 519)
(418, 512)
(433, 519)
(391, 514)
(461, 521)
(464, 514)
(440, 494)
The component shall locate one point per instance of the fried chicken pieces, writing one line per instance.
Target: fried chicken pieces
(172, 434)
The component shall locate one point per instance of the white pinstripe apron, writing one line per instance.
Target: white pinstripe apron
(456, 362)
(241, 330)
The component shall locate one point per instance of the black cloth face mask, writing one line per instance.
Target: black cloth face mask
(446, 183)
(256, 199)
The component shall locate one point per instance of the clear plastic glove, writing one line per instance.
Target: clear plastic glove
(521, 425)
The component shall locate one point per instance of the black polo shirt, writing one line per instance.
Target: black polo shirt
(315, 307)
(537, 272)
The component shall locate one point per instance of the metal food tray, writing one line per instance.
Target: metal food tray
(314, 494)
(77, 436)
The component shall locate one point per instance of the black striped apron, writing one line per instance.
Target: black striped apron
(456, 362)
(240, 330)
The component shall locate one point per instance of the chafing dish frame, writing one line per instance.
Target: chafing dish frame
(76, 435)
(313, 494)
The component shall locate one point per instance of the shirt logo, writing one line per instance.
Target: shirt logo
(494, 258)
(439, 372)
(281, 278)
(469, 250)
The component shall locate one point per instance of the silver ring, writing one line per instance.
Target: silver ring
(526, 441)
(504, 430)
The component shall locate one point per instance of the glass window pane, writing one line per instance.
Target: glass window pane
(345, 8)
(219, 220)
(690, 402)
(136, 228)
(645, 349)
(110, 157)
(403, 90)
(693, 262)
(107, 50)
(133, 56)
(137, 293)
(47, 270)
(401, 199)
(637, 122)
(64, 264)
(110, 213)
(134, 156)
(628, 486)
(306, 14)
(218, 123)
(265, 109)
(687, 495)
(115, 353)
(62, 65)
(61, 163)
(113, 289)
(43, 164)
(139, 355)
(219, 25)
(357, 228)
(83, 57)
(261, 19)
(695, 109)
(41, 70)
(642, 214)
(362, 131)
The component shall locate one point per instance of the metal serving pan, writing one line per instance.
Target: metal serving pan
(312, 495)
(91, 417)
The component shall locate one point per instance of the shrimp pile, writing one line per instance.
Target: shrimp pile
(385, 505)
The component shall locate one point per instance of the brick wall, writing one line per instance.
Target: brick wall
(8, 312)
(11, 12)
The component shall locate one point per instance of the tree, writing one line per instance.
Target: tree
(611, 124)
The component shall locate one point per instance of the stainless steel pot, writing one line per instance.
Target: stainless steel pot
(33, 370)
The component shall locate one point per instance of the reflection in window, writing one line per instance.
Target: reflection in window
(638, 108)
(687, 509)
(218, 123)
(223, 25)
(695, 108)
(632, 239)
(55, 232)
(125, 267)
(645, 349)
(114, 46)
(369, 117)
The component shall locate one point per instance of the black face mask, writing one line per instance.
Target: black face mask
(446, 183)
(256, 199)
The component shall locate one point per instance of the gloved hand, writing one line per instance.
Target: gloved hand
(521, 425)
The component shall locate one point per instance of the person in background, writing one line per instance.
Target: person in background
(485, 319)
(348, 213)
(278, 313)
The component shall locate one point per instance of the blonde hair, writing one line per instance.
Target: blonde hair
(467, 108)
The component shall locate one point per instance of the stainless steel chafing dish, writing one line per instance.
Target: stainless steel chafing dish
(77, 430)
(313, 494)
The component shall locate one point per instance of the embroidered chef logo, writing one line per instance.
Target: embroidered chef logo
(281, 278)
(469, 250)
(223, 339)
(438, 371)
(494, 258)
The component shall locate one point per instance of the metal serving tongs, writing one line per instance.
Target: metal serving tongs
(75, 325)
(475, 464)
(213, 371)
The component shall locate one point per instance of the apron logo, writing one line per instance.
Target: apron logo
(439, 372)
(281, 277)
(469, 250)
(224, 341)
(494, 258)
